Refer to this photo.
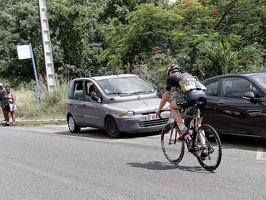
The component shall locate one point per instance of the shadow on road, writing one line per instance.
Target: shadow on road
(156, 165)
(239, 142)
(228, 141)
(98, 133)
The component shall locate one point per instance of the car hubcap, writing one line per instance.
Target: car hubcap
(112, 127)
(71, 123)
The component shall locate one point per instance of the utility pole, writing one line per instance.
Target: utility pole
(47, 47)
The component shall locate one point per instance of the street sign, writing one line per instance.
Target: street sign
(23, 52)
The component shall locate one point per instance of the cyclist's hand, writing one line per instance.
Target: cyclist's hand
(158, 111)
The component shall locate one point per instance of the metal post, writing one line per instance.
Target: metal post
(47, 47)
(35, 75)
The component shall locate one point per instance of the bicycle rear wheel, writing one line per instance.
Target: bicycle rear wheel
(209, 149)
(173, 148)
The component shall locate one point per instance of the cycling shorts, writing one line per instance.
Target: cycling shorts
(191, 98)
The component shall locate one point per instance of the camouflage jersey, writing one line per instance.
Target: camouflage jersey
(174, 88)
(178, 84)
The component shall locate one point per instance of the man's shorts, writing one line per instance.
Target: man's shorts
(6, 107)
(191, 98)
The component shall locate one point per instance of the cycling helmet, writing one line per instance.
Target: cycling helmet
(174, 68)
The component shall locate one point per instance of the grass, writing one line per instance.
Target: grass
(53, 105)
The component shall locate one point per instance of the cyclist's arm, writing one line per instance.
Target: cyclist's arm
(163, 101)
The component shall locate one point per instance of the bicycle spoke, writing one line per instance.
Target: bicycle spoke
(210, 151)
(173, 149)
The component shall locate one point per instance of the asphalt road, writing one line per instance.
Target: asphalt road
(48, 162)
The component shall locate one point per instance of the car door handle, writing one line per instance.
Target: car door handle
(220, 104)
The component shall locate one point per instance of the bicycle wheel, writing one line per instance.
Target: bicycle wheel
(173, 148)
(209, 149)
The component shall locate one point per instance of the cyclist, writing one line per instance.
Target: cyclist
(189, 92)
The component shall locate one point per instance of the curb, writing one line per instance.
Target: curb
(41, 122)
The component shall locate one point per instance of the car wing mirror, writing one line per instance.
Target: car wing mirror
(251, 97)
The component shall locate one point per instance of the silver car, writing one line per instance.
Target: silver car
(116, 103)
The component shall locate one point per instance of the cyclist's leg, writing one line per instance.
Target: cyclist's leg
(175, 110)
(193, 98)
(199, 122)
(201, 136)
(203, 99)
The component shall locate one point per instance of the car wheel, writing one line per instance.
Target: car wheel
(72, 126)
(111, 128)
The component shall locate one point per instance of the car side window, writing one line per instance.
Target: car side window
(236, 87)
(78, 90)
(89, 90)
(212, 88)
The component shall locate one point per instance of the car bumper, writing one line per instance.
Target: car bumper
(143, 123)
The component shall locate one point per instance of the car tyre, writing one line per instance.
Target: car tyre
(72, 126)
(111, 128)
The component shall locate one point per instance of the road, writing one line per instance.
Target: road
(48, 162)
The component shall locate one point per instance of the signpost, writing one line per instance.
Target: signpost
(25, 52)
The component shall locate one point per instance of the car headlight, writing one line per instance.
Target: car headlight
(128, 113)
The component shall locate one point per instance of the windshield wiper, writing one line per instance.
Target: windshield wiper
(142, 92)
(120, 93)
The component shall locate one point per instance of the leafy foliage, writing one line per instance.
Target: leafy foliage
(100, 37)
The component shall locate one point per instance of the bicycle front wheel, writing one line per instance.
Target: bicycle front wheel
(173, 148)
(209, 147)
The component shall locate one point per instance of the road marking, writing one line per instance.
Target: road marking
(260, 154)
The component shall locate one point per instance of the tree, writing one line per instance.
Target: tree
(184, 29)
(95, 37)
(19, 25)
(77, 38)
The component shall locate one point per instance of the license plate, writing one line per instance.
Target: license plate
(151, 117)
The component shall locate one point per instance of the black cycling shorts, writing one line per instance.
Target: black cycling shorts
(194, 97)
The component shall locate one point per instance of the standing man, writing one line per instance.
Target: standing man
(2, 94)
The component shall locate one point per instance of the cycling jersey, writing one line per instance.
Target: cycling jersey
(174, 87)
(188, 90)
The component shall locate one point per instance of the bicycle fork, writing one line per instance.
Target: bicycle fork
(173, 136)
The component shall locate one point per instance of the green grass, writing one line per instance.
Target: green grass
(53, 103)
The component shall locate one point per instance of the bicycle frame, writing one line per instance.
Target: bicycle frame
(187, 119)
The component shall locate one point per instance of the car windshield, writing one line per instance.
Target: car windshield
(261, 79)
(126, 86)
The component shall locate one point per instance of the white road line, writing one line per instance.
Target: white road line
(260, 154)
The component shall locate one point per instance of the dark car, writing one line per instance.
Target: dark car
(237, 104)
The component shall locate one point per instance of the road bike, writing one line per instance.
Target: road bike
(203, 142)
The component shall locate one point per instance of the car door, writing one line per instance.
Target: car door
(75, 103)
(93, 114)
(235, 114)
(212, 91)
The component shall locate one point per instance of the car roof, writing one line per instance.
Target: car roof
(247, 75)
(107, 77)
(113, 76)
